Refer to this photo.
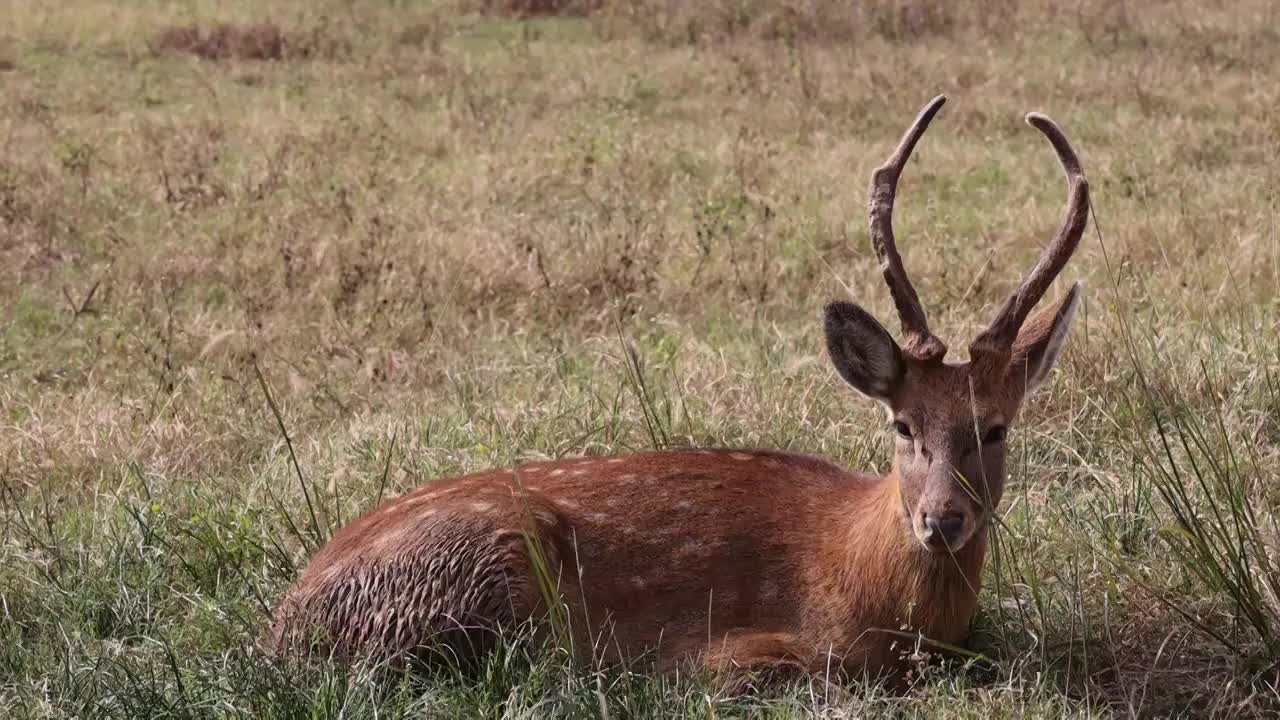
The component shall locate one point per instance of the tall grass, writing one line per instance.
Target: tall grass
(1217, 521)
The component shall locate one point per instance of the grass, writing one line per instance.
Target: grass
(245, 295)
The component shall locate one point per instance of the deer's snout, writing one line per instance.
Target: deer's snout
(942, 531)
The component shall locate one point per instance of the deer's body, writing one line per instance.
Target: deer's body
(736, 558)
(727, 554)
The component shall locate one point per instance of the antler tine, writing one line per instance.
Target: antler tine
(998, 338)
(918, 341)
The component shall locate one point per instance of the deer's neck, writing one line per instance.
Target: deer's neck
(897, 582)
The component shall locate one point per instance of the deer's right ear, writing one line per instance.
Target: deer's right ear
(863, 352)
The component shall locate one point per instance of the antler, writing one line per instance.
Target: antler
(918, 341)
(997, 340)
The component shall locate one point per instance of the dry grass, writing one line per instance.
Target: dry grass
(428, 224)
(257, 42)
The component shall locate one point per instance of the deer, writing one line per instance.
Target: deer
(731, 560)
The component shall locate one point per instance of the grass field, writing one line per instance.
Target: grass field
(446, 239)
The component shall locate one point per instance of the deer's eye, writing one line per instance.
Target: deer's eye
(902, 429)
(995, 435)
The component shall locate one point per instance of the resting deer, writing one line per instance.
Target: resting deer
(738, 559)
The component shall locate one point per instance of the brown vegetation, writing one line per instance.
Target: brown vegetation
(265, 41)
(534, 8)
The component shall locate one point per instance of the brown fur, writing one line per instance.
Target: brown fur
(746, 557)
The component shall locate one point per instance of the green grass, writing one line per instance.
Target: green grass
(449, 241)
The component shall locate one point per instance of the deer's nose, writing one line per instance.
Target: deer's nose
(942, 530)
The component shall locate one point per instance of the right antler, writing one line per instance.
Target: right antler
(997, 340)
(918, 341)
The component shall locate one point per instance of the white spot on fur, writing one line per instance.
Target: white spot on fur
(683, 505)
(481, 507)
(637, 581)
(387, 542)
(600, 518)
(740, 456)
(615, 461)
(578, 472)
(557, 471)
(530, 469)
(690, 548)
(569, 504)
(627, 477)
(329, 572)
(768, 590)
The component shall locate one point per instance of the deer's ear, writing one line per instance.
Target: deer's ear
(1041, 339)
(863, 352)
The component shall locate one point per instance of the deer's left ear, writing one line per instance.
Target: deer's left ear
(1041, 340)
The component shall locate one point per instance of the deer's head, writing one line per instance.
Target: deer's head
(951, 419)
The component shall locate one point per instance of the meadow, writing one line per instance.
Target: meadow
(263, 264)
